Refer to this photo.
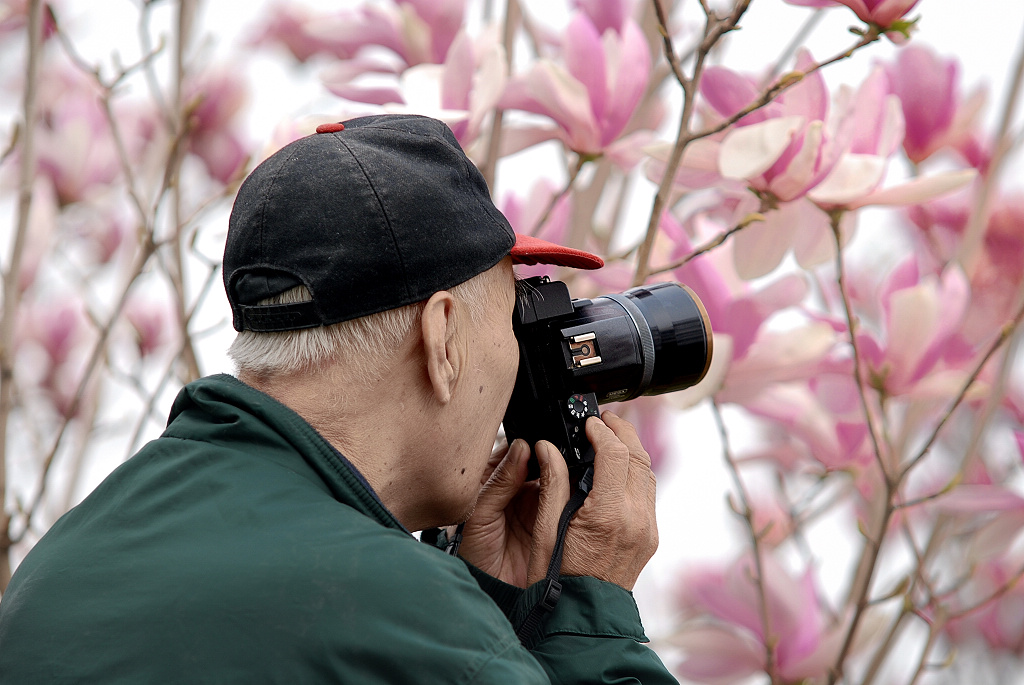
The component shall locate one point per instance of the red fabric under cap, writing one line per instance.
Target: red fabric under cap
(530, 250)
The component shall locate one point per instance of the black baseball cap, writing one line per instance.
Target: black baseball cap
(369, 214)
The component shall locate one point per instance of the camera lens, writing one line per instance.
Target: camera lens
(645, 341)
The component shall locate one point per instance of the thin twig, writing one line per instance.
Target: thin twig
(873, 542)
(717, 241)
(666, 38)
(1004, 334)
(714, 29)
(858, 365)
(12, 144)
(581, 159)
(513, 15)
(145, 251)
(975, 231)
(747, 515)
(798, 40)
(11, 294)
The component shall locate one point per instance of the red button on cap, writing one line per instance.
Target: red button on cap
(330, 128)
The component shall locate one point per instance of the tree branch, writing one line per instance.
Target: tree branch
(12, 294)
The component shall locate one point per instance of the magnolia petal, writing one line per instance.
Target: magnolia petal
(728, 92)
(629, 70)
(917, 191)
(488, 85)
(372, 95)
(795, 179)
(809, 97)
(814, 243)
(718, 656)
(749, 151)
(760, 247)
(585, 58)
(515, 139)
(853, 177)
(914, 315)
(974, 499)
(457, 78)
(565, 100)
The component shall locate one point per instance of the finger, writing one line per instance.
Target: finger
(611, 458)
(497, 454)
(554, 494)
(626, 432)
(640, 481)
(505, 481)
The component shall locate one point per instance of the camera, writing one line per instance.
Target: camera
(577, 353)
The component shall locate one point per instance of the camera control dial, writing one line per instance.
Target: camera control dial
(578, 406)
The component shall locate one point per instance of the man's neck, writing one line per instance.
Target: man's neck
(361, 422)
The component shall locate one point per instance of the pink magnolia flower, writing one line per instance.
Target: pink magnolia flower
(725, 642)
(218, 96)
(990, 608)
(922, 353)
(804, 155)
(150, 320)
(935, 113)
(411, 32)
(14, 18)
(995, 276)
(593, 95)
(606, 14)
(462, 92)
(75, 148)
(883, 13)
(525, 212)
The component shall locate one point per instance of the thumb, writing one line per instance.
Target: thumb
(505, 481)
(554, 494)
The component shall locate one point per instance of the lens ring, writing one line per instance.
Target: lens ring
(646, 339)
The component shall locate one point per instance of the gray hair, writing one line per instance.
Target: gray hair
(366, 345)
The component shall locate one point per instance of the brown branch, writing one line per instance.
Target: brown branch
(786, 82)
(666, 38)
(975, 231)
(581, 159)
(861, 586)
(714, 29)
(183, 112)
(145, 251)
(858, 364)
(513, 15)
(1004, 334)
(11, 294)
(747, 514)
(717, 241)
(12, 144)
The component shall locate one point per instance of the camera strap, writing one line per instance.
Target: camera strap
(552, 588)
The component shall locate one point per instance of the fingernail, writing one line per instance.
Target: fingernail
(517, 449)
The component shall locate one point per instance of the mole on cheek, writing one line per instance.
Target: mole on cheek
(462, 471)
(481, 389)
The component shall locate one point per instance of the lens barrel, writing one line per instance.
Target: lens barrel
(649, 340)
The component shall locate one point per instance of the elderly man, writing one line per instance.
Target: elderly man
(265, 536)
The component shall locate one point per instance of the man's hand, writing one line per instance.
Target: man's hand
(512, 531)
(615, 533)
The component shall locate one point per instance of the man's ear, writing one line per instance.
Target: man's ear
(438, 328)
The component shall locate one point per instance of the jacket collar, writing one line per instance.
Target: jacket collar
(259, 418)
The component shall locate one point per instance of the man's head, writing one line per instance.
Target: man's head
(361, 223)
(372, 248)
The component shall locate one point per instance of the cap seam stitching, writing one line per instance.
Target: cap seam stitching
(383, 211)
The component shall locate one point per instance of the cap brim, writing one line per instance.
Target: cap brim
(530, 250)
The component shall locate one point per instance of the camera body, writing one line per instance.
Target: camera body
(577, 353)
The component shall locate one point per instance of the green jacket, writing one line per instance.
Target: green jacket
(241, 547)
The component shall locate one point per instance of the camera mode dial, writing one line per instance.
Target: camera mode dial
(578, 407)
